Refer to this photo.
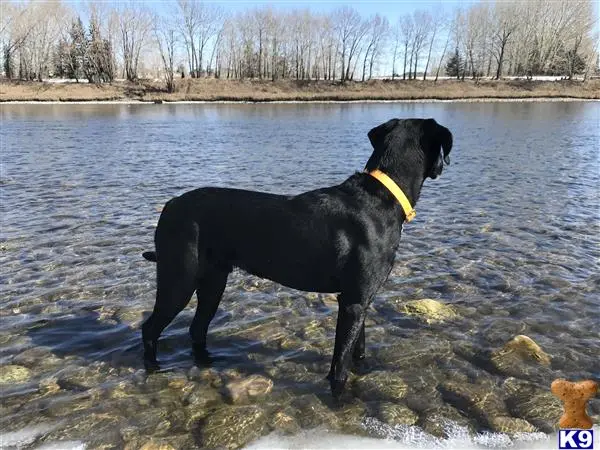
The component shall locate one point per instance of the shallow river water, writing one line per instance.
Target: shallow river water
(505, 243)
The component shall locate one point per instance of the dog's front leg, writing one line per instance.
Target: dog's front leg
(349, 325)
(359, 348)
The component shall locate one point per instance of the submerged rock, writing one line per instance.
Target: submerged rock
(152, 421)
(14, 374)
(510, 425)
(315, 330)
(177, 381)
(132, 317)
(267, 332)
(232, 426)
(534, 404)
(167, 443)
(485, 405)
(443, 420)
(238, 391)
(517, 357)
(352, 415)
(313, 413)
(156, 445)
(284, 422)
(123, 389)
(289, 371)
(48, 386)
(202, 396)
(414, 354)
(396, 414)
(206, 375)
(379, 385)
(428, 310)
(157, 382)
(80, 378)
(98, 430)
(63, 406)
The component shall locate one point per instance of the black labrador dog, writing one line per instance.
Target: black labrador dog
(339, 239)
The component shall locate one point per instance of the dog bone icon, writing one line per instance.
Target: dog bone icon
(574, 396)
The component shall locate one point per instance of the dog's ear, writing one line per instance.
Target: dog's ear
(378, 137)
(378, 134)
(443, 145)
(445, 140)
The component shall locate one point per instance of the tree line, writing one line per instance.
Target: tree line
(105, 41)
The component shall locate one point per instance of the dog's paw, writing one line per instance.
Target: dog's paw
(337, 387)
(202, 357)
(151, 365)
(359, 357)
(361, 366)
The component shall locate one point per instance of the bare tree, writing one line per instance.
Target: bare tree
(215, 52)
(36, 51)
(210, 21)
(165, 34)
(327, 44)
(446, 28)
(456, 29)
(504, 28)
(188, 18)
(16, 26)
(351, 30)
(397, 37)
(436, 21)
(474, 41)
(135, 26)
(261, 20)
(407, 29)
(422, 24)
(377, 32)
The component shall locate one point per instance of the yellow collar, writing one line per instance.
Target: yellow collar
(396, 192)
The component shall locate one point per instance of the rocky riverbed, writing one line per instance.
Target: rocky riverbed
(417, 375)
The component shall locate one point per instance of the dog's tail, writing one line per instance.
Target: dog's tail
(150, 256)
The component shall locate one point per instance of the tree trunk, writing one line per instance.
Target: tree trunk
(364, 71)
(260, 54)
(405, 53)
(394, 61)
(500, 61)
(416, 61)
(8, 72)
(429, 55)
(371, 62)
(343, 61)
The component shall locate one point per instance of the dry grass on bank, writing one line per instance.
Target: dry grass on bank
(290, 90)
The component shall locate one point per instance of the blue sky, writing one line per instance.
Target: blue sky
(391, 9)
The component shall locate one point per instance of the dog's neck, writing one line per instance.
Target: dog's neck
(396, 191)
(407, 181)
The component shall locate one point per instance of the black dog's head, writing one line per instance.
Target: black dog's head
(407, 144)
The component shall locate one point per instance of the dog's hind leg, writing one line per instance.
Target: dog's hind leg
(177, 273)
(209, 292)
(170, 301)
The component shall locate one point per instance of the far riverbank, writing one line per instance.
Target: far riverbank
(219, 90)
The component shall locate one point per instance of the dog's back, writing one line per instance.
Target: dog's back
(298, 241)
